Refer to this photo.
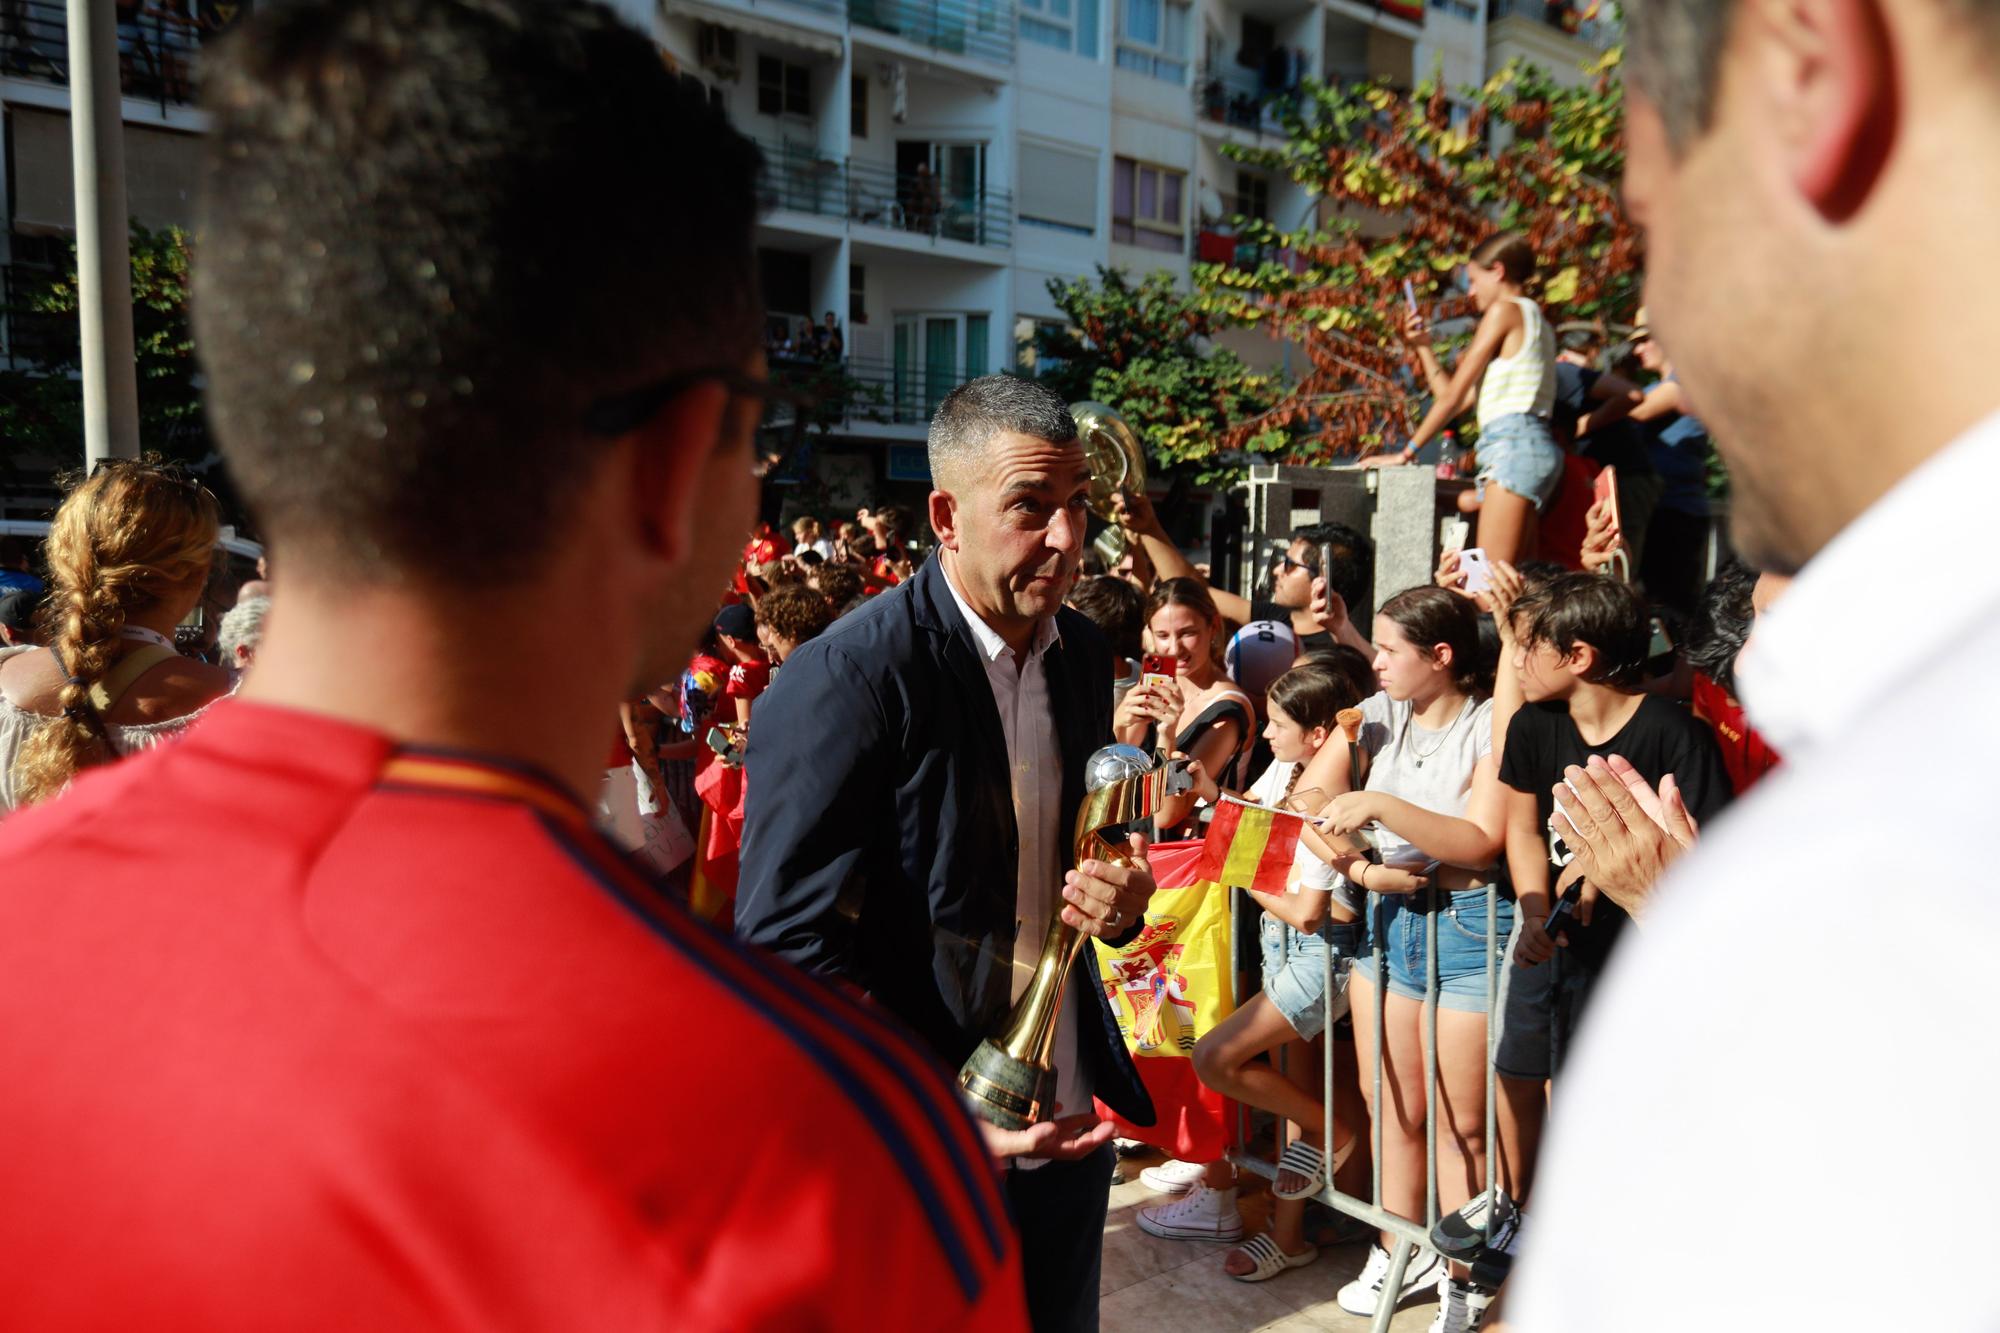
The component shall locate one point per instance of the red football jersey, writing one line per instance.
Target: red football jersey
(302, 1030)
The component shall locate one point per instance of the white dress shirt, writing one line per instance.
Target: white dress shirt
(1034, 766)
(1792, 1057)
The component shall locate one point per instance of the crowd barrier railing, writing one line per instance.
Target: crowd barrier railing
(1413, 1235)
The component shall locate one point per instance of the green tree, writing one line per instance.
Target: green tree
(1146, 350)
(1411, 184)
(41, 406)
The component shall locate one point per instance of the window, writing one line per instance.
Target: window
(782, 89)
(1067, 25)
(857, 294)
(1153, 38)
(1147, 205)
(1029, 359)
(857, 116)
(1253, 196)
(1058, 188)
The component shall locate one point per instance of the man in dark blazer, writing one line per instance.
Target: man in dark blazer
(913, 779)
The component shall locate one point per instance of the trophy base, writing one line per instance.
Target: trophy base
(1004, 1091)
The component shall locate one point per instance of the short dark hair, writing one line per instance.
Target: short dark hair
(1605, 614)
(977, 410)
(434, 234)
(1353, 572)
(1722, 623)
(1115, 607)
(1676, 57)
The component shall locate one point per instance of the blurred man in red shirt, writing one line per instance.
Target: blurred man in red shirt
(337, 1013)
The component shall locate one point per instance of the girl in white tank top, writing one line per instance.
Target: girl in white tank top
(1509, 373)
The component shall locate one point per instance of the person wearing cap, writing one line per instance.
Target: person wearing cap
(17, 618)
(749, 665)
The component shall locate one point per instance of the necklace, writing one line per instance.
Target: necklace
(1443, 736)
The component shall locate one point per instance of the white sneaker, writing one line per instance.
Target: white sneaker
(1172, 1176)
(1361, 1295)
(1460, 1305)
(1200, 1214)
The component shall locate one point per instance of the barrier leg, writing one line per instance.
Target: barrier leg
(1392, 1286)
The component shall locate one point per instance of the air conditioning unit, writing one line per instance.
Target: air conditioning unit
(716, 49)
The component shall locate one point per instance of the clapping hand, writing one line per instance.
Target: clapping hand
(1624, 833)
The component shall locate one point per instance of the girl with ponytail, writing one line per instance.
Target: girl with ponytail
(128, 555)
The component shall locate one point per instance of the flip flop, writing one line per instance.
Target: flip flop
(1301, 1159)
(1270, 1260)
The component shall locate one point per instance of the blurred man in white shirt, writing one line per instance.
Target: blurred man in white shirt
(1789, 1057)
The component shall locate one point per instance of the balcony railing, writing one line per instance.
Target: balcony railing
(979, 28)
(881, 196)
(799, 178)
(1229, 94)
(1582, 20)
(902, 393)
(159, 48)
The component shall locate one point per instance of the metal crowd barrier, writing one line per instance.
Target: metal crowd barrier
(1412, 1235)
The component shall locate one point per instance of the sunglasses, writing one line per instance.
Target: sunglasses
(1286, 564)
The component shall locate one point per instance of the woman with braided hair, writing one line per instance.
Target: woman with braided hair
(129, 553)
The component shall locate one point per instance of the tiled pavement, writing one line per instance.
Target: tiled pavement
(1150, 1284)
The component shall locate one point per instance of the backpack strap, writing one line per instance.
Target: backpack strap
(111, 686)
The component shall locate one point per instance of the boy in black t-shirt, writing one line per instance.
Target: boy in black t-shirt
(1583, 643)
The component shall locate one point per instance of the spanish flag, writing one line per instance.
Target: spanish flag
(1250, 846)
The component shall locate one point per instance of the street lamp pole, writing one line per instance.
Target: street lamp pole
(103, 246)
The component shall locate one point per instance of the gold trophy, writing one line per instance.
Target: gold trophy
(1011, 1079)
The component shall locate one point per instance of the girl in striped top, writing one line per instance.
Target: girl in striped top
(1509, 372)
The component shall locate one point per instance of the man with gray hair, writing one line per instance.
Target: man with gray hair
(913, 775)
(241, 630)
(1812, 176)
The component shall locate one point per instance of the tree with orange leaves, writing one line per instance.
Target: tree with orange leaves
(1410, 184)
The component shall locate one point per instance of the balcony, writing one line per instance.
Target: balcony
(799, 178)
(1217, 247)
(899, 392)
(1581, 19)
(983, 29)
(1231, 95)
(159, 49)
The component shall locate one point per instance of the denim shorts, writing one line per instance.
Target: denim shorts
(1295, 971)
(1520, 454)
(1399, 922)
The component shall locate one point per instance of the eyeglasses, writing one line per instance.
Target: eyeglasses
(625, 412)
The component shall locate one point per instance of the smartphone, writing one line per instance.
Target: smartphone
(1478, 574)
(724, 744)
(1453, 534)
(1606, 493)
(1156, 669)
(1326, 564)
(1410, 295)
(1565, 908)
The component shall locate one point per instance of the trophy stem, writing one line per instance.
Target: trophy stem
(1011, 1079)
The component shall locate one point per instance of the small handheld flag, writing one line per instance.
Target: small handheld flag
(1250, 846)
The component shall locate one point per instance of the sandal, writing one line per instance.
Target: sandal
(1301, 1159)
(1262, 1251)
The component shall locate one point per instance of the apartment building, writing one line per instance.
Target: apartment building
(931, 164)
